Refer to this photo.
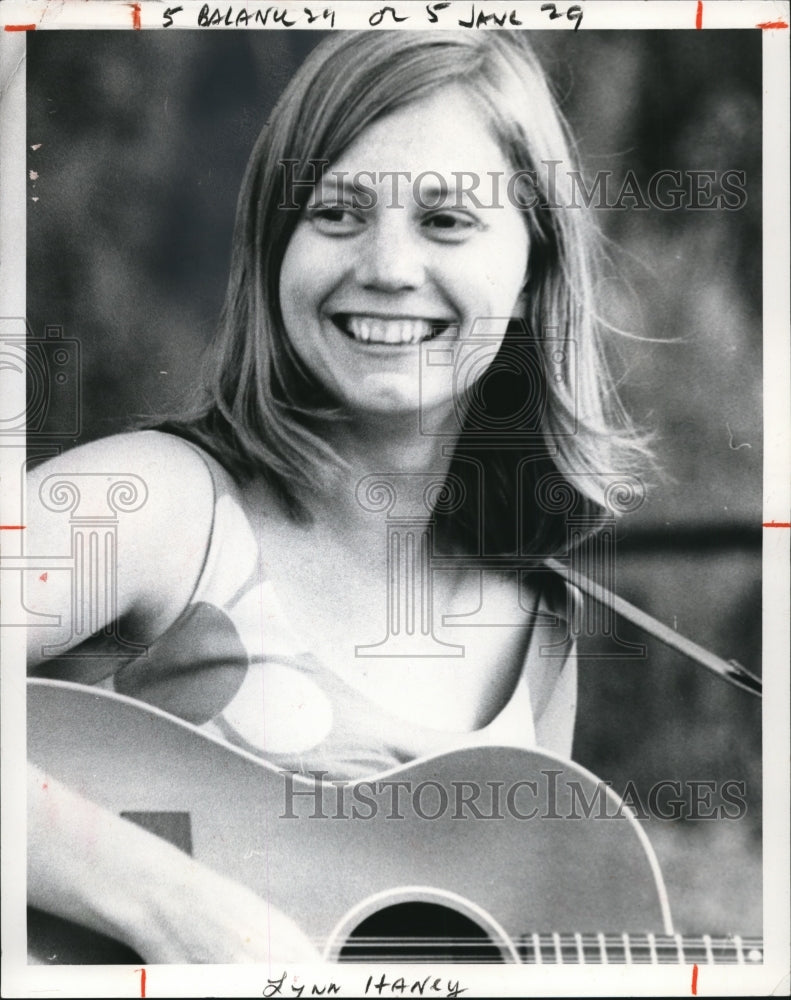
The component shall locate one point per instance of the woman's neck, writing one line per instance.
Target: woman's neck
(391, 468)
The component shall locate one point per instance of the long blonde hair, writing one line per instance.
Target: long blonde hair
(261, 415)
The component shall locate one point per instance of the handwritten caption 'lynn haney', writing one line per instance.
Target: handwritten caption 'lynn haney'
(441, 13)
(376, 986)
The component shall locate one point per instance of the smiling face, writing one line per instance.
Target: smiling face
(373, 270)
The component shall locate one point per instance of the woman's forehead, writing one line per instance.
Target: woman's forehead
(445, 132)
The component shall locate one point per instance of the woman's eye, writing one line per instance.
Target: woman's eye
(337, 220)
(452, 227)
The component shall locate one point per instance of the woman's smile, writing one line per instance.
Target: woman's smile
(369, 276)
(394, 330)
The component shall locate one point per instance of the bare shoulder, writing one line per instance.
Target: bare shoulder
(158, 477)
(131, 452)
(156, 490)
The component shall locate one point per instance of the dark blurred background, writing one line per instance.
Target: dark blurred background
(142, 139)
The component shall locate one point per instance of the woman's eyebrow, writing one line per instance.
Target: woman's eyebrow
(343, 185)
(429, 189)
(437, 189)
(437, 192)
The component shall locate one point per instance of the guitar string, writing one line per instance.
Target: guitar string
(567, 949)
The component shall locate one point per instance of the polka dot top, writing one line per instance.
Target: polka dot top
(232, 665)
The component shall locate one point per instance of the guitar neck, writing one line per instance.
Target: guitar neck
(638, 949)
(559, 949)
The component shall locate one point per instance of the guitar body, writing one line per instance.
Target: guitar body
(333, 855)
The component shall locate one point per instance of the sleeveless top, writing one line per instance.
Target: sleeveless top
(232, 665)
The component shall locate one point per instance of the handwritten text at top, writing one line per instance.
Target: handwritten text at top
(442, 13)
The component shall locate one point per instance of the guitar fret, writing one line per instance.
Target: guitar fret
(558, 948)
(537, 950)
(528, 950)
(695, 951)
(652, 950)
(618, 950)
(613, 949)
(580, 951)
(545, 949)
(739, 953)
(591, 949)
(679, 948)
(627, 949)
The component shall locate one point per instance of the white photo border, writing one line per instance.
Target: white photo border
(21, 980)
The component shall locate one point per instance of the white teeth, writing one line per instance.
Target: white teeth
(376, 330)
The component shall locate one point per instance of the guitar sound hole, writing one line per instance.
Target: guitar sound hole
(419, 932)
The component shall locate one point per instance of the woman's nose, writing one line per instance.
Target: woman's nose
(392, 257)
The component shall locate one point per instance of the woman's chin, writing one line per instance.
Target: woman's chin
(389, 394)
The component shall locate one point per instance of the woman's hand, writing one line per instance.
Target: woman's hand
(88, 865)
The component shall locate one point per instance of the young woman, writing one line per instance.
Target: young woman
(409, 350)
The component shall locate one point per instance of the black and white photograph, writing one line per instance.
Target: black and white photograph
(395, 505)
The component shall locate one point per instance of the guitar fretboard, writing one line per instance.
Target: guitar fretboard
(561, 949)
(638, 949)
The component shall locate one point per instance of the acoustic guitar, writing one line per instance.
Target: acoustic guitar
(491, 854)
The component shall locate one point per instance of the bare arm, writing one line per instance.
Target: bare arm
(85, 863)
(101, 871)
(158, 546)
